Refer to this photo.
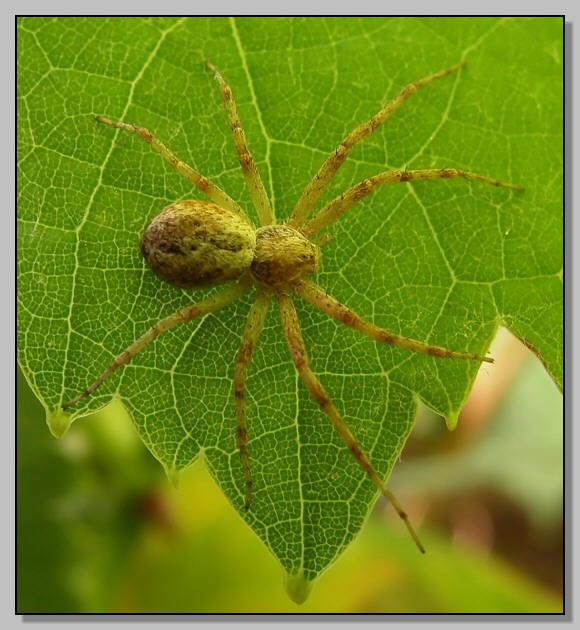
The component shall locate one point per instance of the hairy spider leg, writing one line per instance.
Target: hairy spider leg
(327, 171)
(312, 293)
(206, 186)
(338, 206)
(293, 334)
(184, 315)
(254, 325)
(249, 169)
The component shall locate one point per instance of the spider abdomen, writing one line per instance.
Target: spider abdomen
(283, 254)
(196, 244)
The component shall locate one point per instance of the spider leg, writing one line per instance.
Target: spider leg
(207, 187)
(312, 293)
(326, 172)
(291, 328)
(249, 169)
(254, 325)
(338, 206)
(184, 315)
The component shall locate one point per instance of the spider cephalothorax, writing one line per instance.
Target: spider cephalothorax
(196, 244)
(282, 256)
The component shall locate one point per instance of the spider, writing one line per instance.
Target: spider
(198, 244)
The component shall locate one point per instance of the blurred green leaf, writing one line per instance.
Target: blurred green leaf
(79, 509)
(191, 570)
(444, 262)
(42, 477)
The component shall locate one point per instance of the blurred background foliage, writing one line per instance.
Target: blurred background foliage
(100, 529)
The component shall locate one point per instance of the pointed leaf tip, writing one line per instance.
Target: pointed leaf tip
(451, 420)
(173, 475)
(298, 587)
(58, 422)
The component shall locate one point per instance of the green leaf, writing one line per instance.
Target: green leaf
(443, 262)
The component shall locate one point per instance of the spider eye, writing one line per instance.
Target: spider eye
(196, 244)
